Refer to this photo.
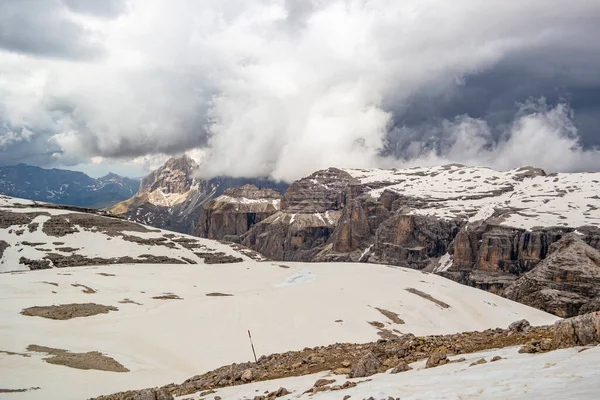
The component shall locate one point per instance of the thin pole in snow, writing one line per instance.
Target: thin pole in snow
(252, 344)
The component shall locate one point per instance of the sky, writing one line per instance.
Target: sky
(280, 89)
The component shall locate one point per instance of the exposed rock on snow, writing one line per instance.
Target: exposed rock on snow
(437, 358)
(401, 367)
(68, 311)
(89, 360)
(367, 365)
(519, 326)
(90, 237)
(581, 330)
(366, 362)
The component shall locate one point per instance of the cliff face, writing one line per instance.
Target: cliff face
(310, 212)
(565, 283)
(236, 211)
(477, 226)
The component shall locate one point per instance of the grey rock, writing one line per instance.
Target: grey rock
(564, 283)
(401, 367)
(367, 365)
(519, 326)
(577, 331)
(437, 358)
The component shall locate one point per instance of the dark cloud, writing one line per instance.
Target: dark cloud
(283, 88)
(566, 72)
(41, 28)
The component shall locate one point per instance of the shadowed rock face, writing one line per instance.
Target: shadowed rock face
(565, 283)
(236, 211)
(492, 257)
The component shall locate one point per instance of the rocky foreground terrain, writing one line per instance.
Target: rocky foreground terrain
(480, 227)
(393, 356)
(172, 196)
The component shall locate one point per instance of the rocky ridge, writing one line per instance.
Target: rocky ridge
(172, 196)
(65, 187)
(480, 227)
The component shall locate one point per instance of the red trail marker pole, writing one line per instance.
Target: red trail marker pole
(252, 344)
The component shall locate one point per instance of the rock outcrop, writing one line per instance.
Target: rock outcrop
(172, 197)
(310, 213)
(577, 331)
(236, 211)
(565, 283)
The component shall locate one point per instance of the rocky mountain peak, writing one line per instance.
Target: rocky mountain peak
(175, 176)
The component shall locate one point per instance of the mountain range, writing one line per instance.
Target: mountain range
(65, 187)
(172, 196)
(508, 232)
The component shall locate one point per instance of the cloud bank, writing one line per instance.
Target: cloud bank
(283, 88)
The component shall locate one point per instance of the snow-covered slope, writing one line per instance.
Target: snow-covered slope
(561, 374)
(286, 307)
(40, 235)
(520, 198)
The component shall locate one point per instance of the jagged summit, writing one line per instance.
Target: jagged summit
(172, 196)
(175, 176)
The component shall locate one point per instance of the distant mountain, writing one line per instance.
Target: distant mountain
(64, 186)
(172, 197)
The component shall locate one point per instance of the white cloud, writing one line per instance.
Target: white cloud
(261, 87)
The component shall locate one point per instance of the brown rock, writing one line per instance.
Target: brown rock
(577, 331)
(248, 375)
(519, 326)
(438, 357)
(478, 362)
(323, 382)
(368, 365)
(537, 346)
(401, 367)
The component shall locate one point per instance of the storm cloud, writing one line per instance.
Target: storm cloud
(283, 88)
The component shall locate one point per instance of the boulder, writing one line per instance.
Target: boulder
(401, 367)
(248, 375)
(537, 346)
(478, 362)
(437, 358)
(577, 331)
(519, 326)
(366, 366)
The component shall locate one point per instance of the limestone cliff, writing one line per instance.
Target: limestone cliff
(478, 226)
(236, 211)
(565, 283)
